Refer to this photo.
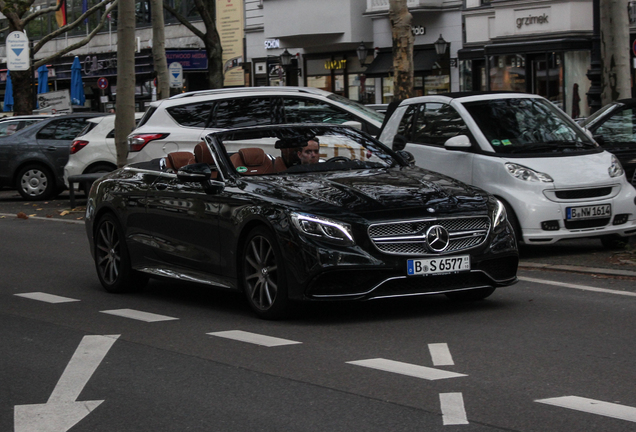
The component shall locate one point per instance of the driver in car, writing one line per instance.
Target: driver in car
(310, 153)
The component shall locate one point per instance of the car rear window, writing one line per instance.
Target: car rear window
(191, 115)
(147, 116)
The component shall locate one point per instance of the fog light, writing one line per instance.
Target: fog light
(551, 225)
(620, 219)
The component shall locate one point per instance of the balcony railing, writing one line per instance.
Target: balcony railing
(383, 5)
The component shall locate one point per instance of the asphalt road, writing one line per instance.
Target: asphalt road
(92, 361)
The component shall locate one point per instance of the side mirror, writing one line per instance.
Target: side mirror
(459, 142)
(399, 142)
(353, 124)
(407, 156)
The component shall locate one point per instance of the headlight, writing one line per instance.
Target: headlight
(323, 228)
(524, 173)
(615, 169)
(499, 215)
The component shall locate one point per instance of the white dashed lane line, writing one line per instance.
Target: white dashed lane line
(452, 406)
(607, 409)
(440, 354)
(253, 338)
(48, 298)
(138, 315)
(416, 371)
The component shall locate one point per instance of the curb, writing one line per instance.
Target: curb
(577, 269)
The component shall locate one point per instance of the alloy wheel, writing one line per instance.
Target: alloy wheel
(261, 273)
(108, 251)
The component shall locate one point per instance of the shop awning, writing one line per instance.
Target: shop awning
(382, 64)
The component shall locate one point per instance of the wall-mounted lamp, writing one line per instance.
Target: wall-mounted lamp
(441, 46)
(285, 58)
(362, 53)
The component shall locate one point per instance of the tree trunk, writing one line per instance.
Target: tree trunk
(22, 92)
(403, 40)
(215, 61)
(615, 78)
(125, 104)
(159, 50)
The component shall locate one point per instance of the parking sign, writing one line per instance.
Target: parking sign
(17, 48)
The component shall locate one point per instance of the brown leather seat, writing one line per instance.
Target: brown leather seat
(254, 159)
(176, 160)
(202, 154)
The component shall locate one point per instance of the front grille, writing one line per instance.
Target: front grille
(586, 223)
(409, 237)
(583, 193)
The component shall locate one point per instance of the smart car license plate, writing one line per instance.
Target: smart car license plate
(452, 264)
(588, 212)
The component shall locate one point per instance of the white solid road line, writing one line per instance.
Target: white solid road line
(138, 315)
(253, 338)
(607, 409)
(416, 371)
(440, 354)
(49, 298)
(580, 287)
(453, 411)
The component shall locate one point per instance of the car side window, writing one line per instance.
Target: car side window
(63, 129)
(619, 128)
(303, 110)
(406, 124)
(437, 122)
(242, 112)
(192, 115)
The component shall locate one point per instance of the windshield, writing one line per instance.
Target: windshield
(368, 112)
(527, 125)
(306, 150)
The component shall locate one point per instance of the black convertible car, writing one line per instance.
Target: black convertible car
(243, 212)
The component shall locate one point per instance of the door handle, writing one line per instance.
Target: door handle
(51, 148)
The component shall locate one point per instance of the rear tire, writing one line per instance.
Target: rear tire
(263, 275)
(112, 260)
(35, 183)
(470, 295)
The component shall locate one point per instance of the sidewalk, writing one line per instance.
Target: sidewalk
(582, 255)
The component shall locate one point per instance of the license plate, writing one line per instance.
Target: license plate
(452, 264)
(588, 212)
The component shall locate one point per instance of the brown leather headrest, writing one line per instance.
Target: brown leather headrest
(253, 156)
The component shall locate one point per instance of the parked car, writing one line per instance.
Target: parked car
(93, 150)
(178, 123)
(554, 180)
(361, 224)
(614, 129)
(11, 124)
(32, 159)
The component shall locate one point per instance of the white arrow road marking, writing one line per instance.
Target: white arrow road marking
(49, 298)
(138, 315)
(440, 354)
(406, 369)
(62, 412)
(576, 286)
(254, 338)
(453, 411)
(607, 409)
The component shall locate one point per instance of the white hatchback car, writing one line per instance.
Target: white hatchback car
(94, 149)
(554, 180)
(180, 122)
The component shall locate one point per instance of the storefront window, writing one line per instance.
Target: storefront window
(466, 75)
(577, 84)
(437, 82)
(387, 90)
(548, 77)
(508, 73)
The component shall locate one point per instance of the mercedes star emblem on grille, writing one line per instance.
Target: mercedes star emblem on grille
(437, 238)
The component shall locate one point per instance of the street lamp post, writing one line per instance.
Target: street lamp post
(286, 63)
(362, 54)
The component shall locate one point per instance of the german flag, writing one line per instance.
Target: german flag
(60, 14)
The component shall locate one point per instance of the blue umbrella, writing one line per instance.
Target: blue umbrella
(43, 79)
(8, 94)
(77, 86)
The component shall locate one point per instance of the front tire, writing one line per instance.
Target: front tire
(471, 295)
(35, 183)
(263, 275)
(112, 260)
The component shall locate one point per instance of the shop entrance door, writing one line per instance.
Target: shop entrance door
(547, 76)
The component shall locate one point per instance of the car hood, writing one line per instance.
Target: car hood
(395, 189)
(573, 171)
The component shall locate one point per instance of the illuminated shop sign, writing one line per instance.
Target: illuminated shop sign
(336, 64)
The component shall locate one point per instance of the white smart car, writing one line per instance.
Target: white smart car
(554, 180)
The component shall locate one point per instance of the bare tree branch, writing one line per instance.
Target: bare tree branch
(74, 24)
(43, 11)
(183, 20)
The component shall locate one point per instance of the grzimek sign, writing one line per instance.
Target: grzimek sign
(17, 49)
